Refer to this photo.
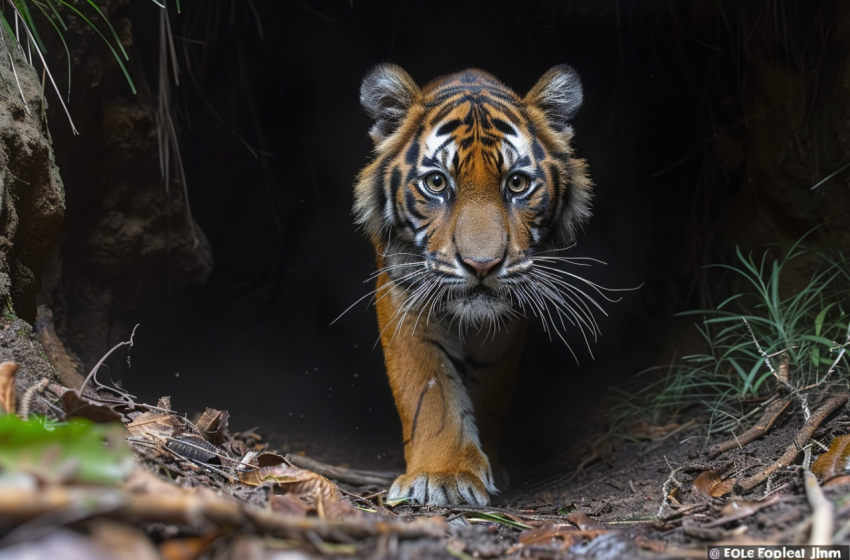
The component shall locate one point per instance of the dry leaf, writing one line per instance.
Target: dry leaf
(76, 406)
(187, 548)
(834, 462)
(709, 485)
(213, 425)
(289, 504)
(737, 508)
(582, 521)
(292, 480)
(155, 426)
(650, 544)
(268, 459)
(143, 481)
(673, 496)
(123, 541)
(641, 429)
(164, 403)
(548, 534)
(7, 387)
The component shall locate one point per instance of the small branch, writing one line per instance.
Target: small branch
(822, 512)
(103, 359)
(198, 509)
(809, 427)
(771, 413)
(351, 476)
(767, 361)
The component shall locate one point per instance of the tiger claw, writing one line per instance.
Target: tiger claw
(439, 489)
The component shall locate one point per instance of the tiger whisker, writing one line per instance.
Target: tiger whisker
(386, 286)
(399, 316)
(599, 289)
(567, 290)
(388, 268)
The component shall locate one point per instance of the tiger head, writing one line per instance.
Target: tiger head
(469, 182)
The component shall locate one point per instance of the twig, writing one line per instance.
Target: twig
(198, 509)
(822, 512)
(100, 362)
(809, 427)
(771, 413)
(351, 476)
(767, 361)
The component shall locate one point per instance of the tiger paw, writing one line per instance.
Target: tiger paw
(440, 489)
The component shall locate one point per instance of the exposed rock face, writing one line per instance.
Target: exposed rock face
(129, 234)
(32, 198)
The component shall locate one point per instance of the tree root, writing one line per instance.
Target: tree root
(814, 421)
(771, 413)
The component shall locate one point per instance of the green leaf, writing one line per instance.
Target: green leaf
(496, 518)
(821, 316)
(80, 451)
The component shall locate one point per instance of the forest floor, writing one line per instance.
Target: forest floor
(164, 486)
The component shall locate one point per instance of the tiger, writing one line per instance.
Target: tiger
(469, 187)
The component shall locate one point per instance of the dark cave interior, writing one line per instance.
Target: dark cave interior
(666, 93)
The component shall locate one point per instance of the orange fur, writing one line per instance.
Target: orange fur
(450, 251)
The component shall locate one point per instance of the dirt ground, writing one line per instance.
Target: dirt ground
(198, 491)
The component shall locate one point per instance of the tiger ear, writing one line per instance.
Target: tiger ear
(559, 95)
(387, 93)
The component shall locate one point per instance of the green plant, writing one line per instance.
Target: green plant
(76, 451)
(758, 339)
(29, 40)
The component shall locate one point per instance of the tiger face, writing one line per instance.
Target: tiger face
(468, 183)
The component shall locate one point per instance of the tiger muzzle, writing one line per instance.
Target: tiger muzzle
(481, 238)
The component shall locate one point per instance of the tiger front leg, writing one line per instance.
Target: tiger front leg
(445, 463)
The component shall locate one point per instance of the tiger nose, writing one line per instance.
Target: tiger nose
(482, 268)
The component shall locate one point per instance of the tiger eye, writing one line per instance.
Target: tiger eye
(436, 182)
(518, 182)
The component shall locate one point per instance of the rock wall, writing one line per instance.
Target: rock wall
(32, 197)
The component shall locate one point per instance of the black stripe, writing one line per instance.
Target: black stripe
(457, 363)
(410, 200)
(503, 127)
(412, 155)
(448, 127)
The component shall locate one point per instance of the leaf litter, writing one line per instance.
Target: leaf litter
(100, 471)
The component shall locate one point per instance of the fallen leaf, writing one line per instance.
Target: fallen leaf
(642, 429)
(213, 425)
(156, 426)
(164, 403)
(289, 504)
(833, 463)
(7, 387)
(187, 548)
(143, 481)
(737, 508)
(76, 406)
(709, 485)
(292, 480)
(124, 541)
(268, 459)
(650, 544)
(563, 536)
(548, 534)
(582, 521)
